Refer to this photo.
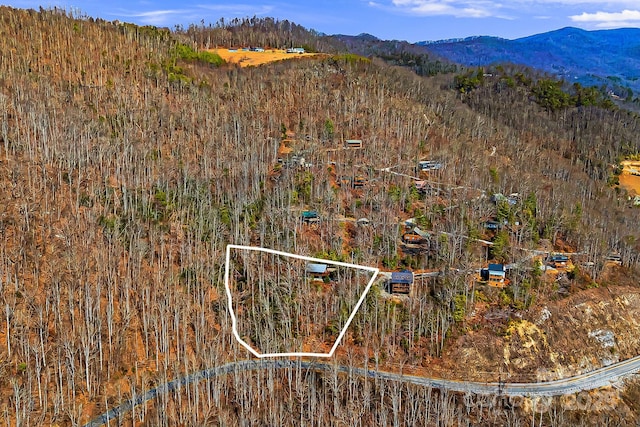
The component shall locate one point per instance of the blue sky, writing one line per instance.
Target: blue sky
(412, 20)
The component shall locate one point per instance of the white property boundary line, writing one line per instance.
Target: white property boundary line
(234, 321)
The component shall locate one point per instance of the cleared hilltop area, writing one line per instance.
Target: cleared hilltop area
(249, 57)
(495, 202)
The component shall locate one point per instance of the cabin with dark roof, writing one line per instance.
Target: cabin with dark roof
(310, 217)
(423, 187)
(492, 225)
(494, 275)
(400, 282)
(559, 261)
(429, 165)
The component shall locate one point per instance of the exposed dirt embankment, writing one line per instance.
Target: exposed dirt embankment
(595, 328)
(630, 176)
(246, 58)
(591, 329)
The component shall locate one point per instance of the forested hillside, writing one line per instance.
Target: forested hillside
(132, 156)
(607, 58)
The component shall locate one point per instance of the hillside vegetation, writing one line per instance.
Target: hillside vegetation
(131, 157)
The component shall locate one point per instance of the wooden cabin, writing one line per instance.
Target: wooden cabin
(413, 239)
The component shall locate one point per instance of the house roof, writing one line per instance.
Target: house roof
(429, 165)
(309, 214)
(285, 150)
(404, 277)
(421, 233)
(413, 238)
(495, 268)
(560, 258)
(316, 268)
(492, 224)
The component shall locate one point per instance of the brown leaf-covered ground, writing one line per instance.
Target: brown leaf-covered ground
(125, 172)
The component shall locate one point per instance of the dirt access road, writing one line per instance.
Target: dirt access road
(246, 58)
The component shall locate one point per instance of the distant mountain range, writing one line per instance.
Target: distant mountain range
(604, 57)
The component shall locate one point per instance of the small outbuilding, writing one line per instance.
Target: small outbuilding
(559, 261)
(310, 217)
(614, 258)
(359, 181)
(363, 222)
(317, 270)
(492, 225)
(353, 143)
(498, 198)
(429, 165)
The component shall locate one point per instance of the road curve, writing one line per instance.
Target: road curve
(594, 379)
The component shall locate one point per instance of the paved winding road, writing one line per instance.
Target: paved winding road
(598, 378)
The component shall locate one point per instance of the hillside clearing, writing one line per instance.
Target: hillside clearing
(630, 176)
(246, 58)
